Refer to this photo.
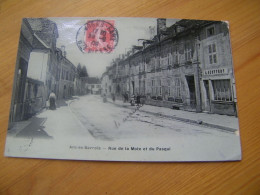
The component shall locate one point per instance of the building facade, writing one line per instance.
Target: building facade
(30, 90)
(217, 82)
(68, 84)
(185, 66)
(40, 69)
(93, 85)
(45, 32)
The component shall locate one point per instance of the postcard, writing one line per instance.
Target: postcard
(124, 89)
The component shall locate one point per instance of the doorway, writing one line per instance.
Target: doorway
(133, 87)
(64, 91)
(20, 102)
(192, 90)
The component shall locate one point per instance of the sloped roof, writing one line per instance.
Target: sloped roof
(44, 29)
(93, 80)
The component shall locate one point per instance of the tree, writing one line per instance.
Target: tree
(79, 69)
(82, 71)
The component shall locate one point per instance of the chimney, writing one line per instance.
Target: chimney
(161, 25)
(63, 51)
(152, 32)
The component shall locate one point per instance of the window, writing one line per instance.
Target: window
(29, 91)
(140, 86)
(169, 87)
(188, 55)
(153, 63)
(210, 31)
(160, 87)
(57, 74)
(222, 90)
(35, 90)
(177, 88)
(143, 87)
(153, 87)
(170, 59)
(175, 56)
(212, 53)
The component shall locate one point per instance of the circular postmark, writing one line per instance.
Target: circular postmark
(97, 36)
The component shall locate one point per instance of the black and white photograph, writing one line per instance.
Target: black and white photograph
(124, 89)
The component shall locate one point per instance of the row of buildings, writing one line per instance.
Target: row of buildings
(41, 68)
(185, 66)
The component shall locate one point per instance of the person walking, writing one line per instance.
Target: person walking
(104, 98)
(138, 99)
(113, 97)
(132, 100)
(124, 97)
(52, 100)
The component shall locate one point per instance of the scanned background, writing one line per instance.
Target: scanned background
(34, 176)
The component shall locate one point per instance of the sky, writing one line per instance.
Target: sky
(129, 31)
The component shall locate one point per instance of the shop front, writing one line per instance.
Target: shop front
(218, 94)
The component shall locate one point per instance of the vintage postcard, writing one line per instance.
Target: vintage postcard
(124, 89)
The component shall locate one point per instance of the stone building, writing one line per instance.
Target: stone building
(106, 83)
(67, 76)
(78, 85)
(110, 82)
(93, 85)
(217, 82)
(46, 33)
(23, 56)
(185, 66)
(34, 78)
(176, 77)
(40, 68)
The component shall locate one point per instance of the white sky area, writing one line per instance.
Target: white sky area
(129, 31)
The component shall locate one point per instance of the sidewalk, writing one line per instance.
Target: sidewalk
(33, 124)
(223, 122)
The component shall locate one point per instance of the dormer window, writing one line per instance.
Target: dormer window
(210, 31)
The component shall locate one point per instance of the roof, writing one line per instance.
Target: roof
(44, 29)
(93, 80)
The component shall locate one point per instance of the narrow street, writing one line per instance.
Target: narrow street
(87, 119)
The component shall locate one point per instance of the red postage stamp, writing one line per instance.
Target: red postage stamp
(98, 36)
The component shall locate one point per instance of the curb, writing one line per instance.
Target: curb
(201, 123)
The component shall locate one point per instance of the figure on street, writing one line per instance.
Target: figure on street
(132, 100)
(113, 97)
(138, 98)
(104, 98)
(52, 101)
